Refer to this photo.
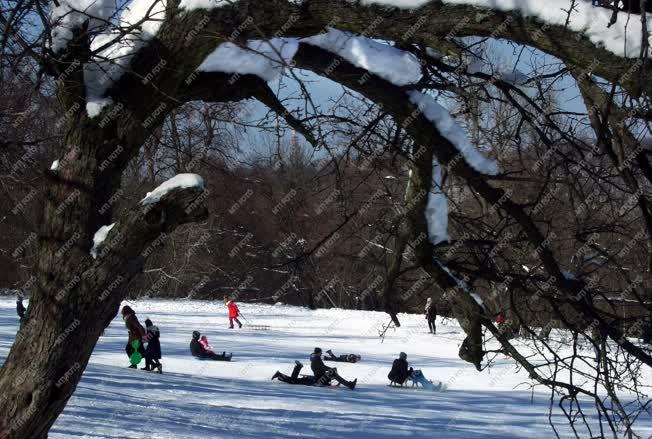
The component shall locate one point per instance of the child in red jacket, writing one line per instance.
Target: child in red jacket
(234, 312)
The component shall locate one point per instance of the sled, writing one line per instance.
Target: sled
(136, 357)
(417, 378)
(217, 358)
(258, 327)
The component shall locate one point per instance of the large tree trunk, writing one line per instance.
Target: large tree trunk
(76, 296)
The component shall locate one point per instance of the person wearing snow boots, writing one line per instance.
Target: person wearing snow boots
(234, 312)
(294, 378)
(344, 358)
(431, 315)
(324, 374)
(400, 371)
(153, 349)
(198, 350)
(136, 334)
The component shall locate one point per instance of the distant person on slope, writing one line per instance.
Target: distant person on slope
(646, 333)
(324, 374)
(136, 334)
(234, 312)
(204, 351)
(294, 378)
(400, 371)
(153, 350)
(20, 308)
(431, 315)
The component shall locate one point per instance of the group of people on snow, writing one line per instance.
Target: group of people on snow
(322, 375)
(145, 342)
(138, 338)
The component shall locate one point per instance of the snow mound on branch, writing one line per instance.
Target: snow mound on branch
(99, 238)
(394, 65)
(263, 58)
(71, 14)
(437, 208)
(139, 22)
(477, 64)
(452, 131)
(178, 181)
(203, 4)
(623, 38)
(94, 105)
(54, 166)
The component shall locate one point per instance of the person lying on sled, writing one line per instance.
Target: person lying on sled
(294, 378)
(344, 358)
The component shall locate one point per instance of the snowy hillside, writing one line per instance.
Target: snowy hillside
(200, 399)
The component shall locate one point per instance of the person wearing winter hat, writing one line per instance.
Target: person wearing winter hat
(324, 374)
(153, 350)
(400, 371)
(198, 350)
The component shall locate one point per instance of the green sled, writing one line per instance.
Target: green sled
(136, 357)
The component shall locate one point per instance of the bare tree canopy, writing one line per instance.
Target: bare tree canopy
(518, 134)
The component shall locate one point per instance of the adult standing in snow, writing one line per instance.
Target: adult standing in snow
(136, 332)
(324, 374)
(153, 350)
(294, 378)
(400, 371)
(234, 312)
(431, 315)
(20, 308)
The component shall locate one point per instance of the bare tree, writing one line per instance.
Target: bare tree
(108, 121)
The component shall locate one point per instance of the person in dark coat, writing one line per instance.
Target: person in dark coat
(324, 374)
(153, 349)
(646, 333)
(135, 330)
(199, 351)
(344, 358)
(20, 308)
(294, 378)
(431, 315)
(400, 371)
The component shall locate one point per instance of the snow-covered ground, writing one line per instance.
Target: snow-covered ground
(201, 399)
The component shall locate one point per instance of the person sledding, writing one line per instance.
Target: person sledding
(234, 312)
(153, 349)
(305, 380)
(324, 374)
(134, 348)
(204, 351)
(344, 358)
(400, 371)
